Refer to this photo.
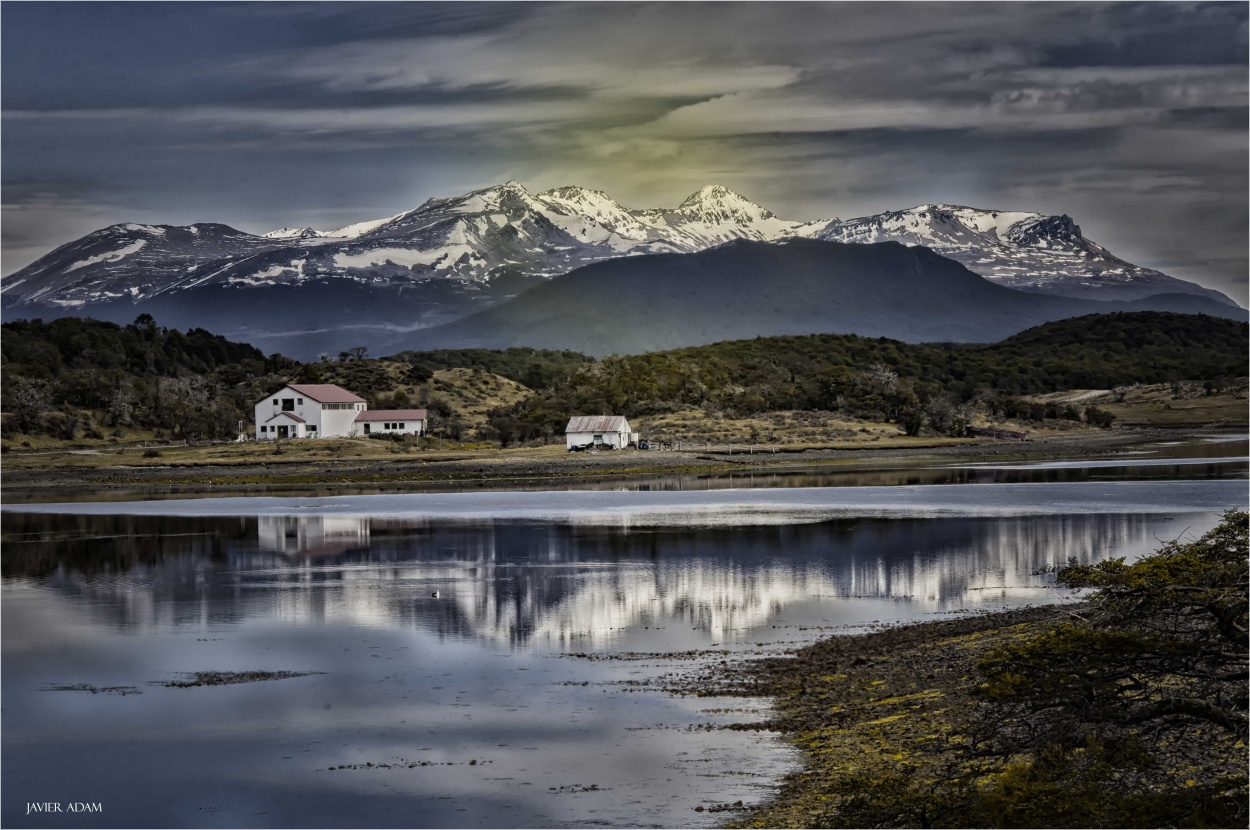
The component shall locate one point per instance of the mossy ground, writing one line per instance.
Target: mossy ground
(876, 710)
(889, 722)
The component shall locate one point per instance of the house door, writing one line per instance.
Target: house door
(366, 429)
(284, 431)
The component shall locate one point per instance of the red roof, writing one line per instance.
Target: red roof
(391, 415)
(290, 415)
(325, 393)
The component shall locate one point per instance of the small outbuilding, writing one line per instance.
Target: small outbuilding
(589, 431)
(391, 422)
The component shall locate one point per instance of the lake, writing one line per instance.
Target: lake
(493, 659)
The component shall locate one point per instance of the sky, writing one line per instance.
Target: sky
(1129, 117)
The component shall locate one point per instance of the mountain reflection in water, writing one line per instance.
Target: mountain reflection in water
(550, 585)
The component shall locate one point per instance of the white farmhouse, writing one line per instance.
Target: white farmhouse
(599, 431)
(391, 422)
(308, 410)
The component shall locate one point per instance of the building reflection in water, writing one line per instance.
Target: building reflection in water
(312, 535)
(562, 585)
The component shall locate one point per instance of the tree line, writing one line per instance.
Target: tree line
(196, 384)
(933, 386)
(193, 385)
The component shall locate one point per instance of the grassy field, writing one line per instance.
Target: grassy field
(795, 429)
(265, 453)
(1165, 404)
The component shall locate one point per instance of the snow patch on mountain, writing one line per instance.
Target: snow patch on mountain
(359, 228)
(113, 256)
(404, 257)
(152, 229)
(295, 233)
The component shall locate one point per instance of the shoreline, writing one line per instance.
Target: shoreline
(856, 705)
(549, 469)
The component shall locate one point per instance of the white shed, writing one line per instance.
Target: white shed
(391, 421)
(599, 431)
(308, 410)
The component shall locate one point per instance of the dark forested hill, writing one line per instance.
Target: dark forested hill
(865, 375)
(193, 384)
(35, 347)
(1095, 351)
(745, 289)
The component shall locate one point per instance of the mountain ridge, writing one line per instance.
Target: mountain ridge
(504, 228)
(301, 288)
(886, 289)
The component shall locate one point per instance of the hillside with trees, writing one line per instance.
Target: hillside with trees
(192, 384)
(73, 378)
(932, 386)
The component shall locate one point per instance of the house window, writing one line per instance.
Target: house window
(288, 404)
(399, 426)
(264, 429)
(299, 401)
(275, 401)
(310, 428)
(386, 425)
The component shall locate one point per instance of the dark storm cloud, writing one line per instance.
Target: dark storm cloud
(1155, 34)
(1130, 117)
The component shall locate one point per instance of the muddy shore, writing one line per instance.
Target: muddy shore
(504, 470)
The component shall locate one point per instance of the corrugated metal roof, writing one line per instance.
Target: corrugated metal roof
(325, 393)
(391, 415)
(597, 423)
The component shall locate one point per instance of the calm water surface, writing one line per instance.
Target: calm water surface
(516, 644)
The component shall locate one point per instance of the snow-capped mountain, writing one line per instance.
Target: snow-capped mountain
(1029, 251)
(501, 231)
(132, 262)
(451, 256)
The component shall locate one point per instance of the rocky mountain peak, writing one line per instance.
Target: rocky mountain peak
(572, 191)
(293, 233)
(718, 202)
(1051, 228)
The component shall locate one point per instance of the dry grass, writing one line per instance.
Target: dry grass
(1182, 404)
(472, 393)
(797, 429)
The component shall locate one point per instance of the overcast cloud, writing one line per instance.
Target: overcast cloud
(1132, 118)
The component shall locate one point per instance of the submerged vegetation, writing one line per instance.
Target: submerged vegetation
(1129, 710)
